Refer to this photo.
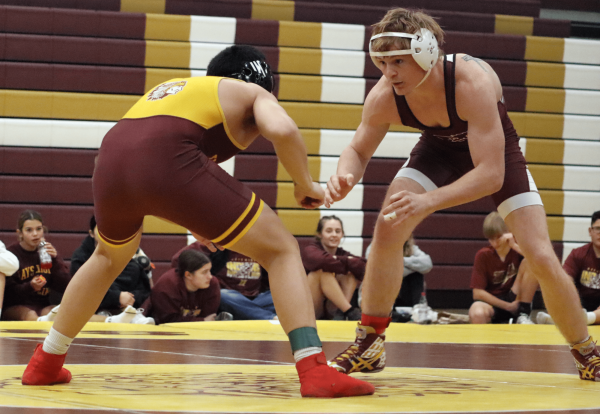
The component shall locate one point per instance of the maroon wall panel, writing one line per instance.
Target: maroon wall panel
(336, 13)
(510, 73)
(382, 170)
(231, 8)
(260, 146)
(449, 277)
(582, 5)
(113, 5)
(56, 218)
(484, 45)
(451, 252)
(515, 98)
(162, 247)
(553, 28)
(451, 226)
(373, 196)
(46, 190)
(47, 161)
(255, 167)
(257, 32)
(265, 191)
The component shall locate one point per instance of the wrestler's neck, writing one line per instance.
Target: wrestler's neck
(431, 88)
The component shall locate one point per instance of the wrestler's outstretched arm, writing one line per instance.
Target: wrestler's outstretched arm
(276, 125)
(355, 157)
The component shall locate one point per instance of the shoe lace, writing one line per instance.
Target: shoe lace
(348, 353)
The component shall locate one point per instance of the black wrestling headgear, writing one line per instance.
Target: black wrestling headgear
(258, 72)
(243, 62)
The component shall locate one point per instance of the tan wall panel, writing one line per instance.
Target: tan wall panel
(65, 105)
(545, 74)
(538, 125)
(167, 27)
(548, 176)
(167, 54)
(300, 222)
(314, 168)
(294, 60)
(545, 100)
(157, 225)
(312, 140)
(544, 48)
(143, 6)
(299, 34)
(273, 10)
(300, 88)
(515, 25)
(545, 151)
(556, 226)
(554, 202)
(158, 76)
(285, 196)
(318, 115)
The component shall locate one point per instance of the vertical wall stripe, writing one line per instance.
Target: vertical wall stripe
(581, 203)
(343, 63)
(299, 34)
(212, 29)
(567, 248)
(167, 27)
(545, 74)
(554, 202)
(295, 60)
(300, 88)
(582, 51)
(314, 168)
(545, 151)
(556, 227)
(582, 127)
(545, 100)
(327, 116)
(582, 77)
(157, 76)
(273, 10)
(167, 54)
(548, 176)
(300, 222)
(515, 25)
(582, 178)
(202, 53)
(538, 125)
(582, 153)
(285, 196)
(544, 48)
(582, 102)
(576, 229)
(346, 90)
(143, 6)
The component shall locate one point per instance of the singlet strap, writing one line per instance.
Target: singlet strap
(450, 87)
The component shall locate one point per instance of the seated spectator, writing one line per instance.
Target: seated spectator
(333, 273)
(130, 288)
(9, 264)
(245, 292)
(417, 263)
(186, 294)
(26, 295)
(503, 289)
(583, 265)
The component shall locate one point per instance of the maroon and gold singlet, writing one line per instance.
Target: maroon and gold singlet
(161, 160)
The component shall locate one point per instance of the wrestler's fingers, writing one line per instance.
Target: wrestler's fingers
(334, 186)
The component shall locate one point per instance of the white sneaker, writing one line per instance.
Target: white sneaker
(543, 318)
(140, 319)
(124, 317)
(524, 319)
(50, 316)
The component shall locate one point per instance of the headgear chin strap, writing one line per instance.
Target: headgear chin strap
(423, 48)
(258, 72)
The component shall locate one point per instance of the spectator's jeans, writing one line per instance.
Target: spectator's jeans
(243, 308)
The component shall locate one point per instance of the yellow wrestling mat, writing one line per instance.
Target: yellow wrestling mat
(329, 331)
(270, 389)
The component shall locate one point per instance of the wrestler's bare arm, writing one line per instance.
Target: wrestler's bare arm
(375, 123)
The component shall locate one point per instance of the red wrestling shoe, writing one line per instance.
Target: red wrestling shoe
(366, 354)
(319, 380)
(45, 369)
(587, 360)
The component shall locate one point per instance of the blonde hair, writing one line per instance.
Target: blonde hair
(494, 226)
(404, 21)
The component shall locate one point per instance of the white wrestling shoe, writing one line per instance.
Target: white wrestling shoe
(140, 319)
(50, 316)
(124, 317)
(543, 318)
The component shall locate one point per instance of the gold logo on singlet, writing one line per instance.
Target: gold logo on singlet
(166, 89)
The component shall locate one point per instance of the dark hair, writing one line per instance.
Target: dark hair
(595, 216)
(92, 223)
(242, 62)
(190, 261)
(322, 224)
(28, 215)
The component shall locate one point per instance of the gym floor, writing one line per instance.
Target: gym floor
(247, 367)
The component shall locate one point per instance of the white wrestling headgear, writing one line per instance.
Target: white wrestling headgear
(423, 47)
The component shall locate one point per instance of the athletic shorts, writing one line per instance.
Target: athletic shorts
(434, 165)
(501, 315)
(590, 304)
(153, 166)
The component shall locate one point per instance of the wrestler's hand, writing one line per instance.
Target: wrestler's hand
(406, 205)
(209, 244)
(338, 188)
(309, 197)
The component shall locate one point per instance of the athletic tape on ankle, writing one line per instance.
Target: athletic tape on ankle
(304, 338)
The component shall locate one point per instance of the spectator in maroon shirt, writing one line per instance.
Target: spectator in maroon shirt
(186, 294)
(583, 265)
(333, 273)
(503, 289)
(27, 292)
(9, 264)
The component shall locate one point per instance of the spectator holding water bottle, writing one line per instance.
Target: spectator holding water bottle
(41, 270)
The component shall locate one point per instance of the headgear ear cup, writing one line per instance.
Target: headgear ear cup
(425, 49)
